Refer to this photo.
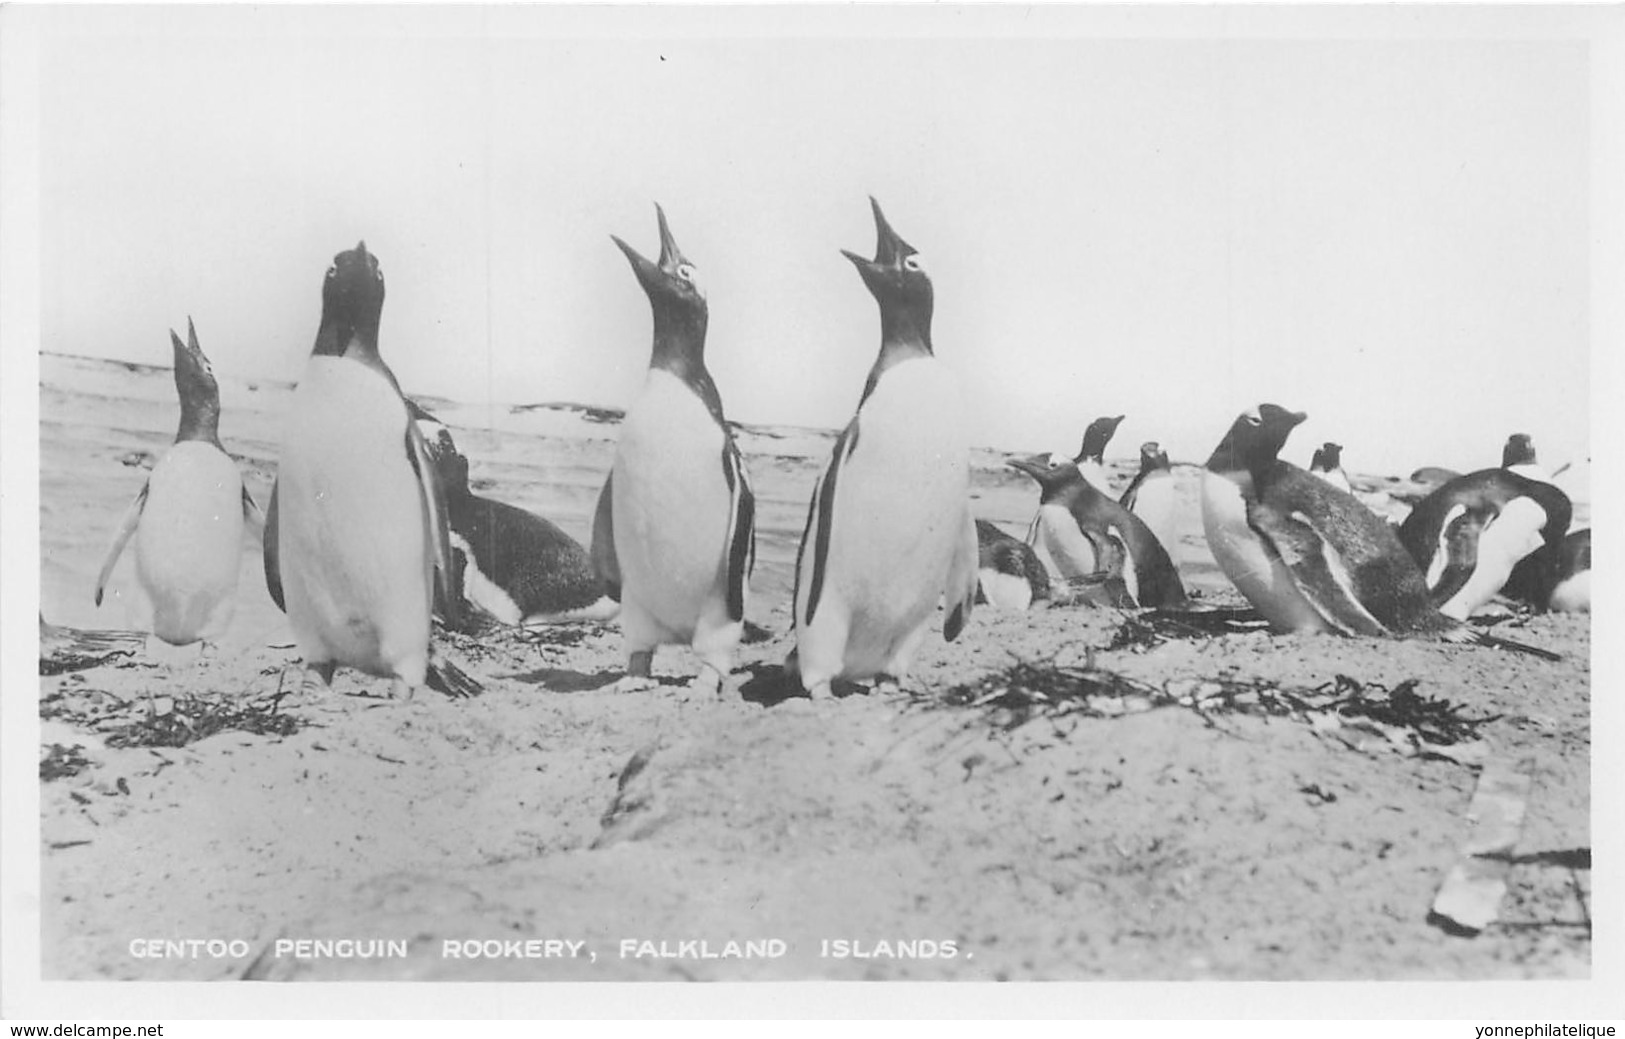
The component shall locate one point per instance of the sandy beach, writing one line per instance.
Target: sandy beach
(1193, 805)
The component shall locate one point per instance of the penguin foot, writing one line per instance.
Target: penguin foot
(887, 685)
(445, 677)
(820, 692)
(705, 687)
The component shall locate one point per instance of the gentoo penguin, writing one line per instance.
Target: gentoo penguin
(356, 546)
(1086, 536)
(1091, 459)
(1308, 556)
(1010, 574)
(1328, 465)
(1518, 456)
(1571, 590)
(1487, 531)
(889, 531)
(188, 517)
(512, 564)
(674, 538)
(1153, 497)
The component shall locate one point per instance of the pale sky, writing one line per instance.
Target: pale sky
(1390, 234)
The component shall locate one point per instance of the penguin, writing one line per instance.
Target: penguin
(187, 519)
(1328, 465)
(1308, 556)
(1087, 536)
(1153, 497)
(357, 549)
(1571, 590)
(1518, 456)
(1490, 531)
(515, 566)
(889, 529)
(1009, 572)
(674, 538)
(1091, 459)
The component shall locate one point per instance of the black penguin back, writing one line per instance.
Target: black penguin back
(542, 568)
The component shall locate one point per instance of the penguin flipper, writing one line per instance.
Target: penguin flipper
(271, 554)
(821, 518)
(439, 528)
(126, 528)
(962, 581)
(251, 509)
(604, 562)
(1318, 572)
(741, 528)
(1458, 544)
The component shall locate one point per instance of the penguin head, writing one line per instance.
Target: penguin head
(898, 280)
(1519, 450)
(671, 282)
(1053, 472)
(352, 302)
(1328, 456)
(1153, 457)
(1097, 436)
(449, 466)
(195, 382)
(1254, 440)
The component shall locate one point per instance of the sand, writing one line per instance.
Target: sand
(884, 836)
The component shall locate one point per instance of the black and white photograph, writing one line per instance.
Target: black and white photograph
(811, 494)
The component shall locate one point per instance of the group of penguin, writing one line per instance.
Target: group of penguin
(372, 531)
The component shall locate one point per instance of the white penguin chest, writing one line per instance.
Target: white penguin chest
(190, 536)
(1061, 544)
(1242, 555)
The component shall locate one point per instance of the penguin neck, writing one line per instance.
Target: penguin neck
(200, 419)
(905, 335)
(679, 348)
(344, 334)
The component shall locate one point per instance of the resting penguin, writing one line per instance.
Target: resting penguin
(1571, 591)
(187, 519)
(1009, 572)
(356, 546)
(514, 565)
(674, 538)
(1489, 531)
(1328, 465)
(1088, 537)
(1091, 459)
(889, 531)
(1308, 556)
(1153, 497)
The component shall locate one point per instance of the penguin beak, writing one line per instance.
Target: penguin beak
(670, 255)
(1034, 466)
(890, 249)
(661, 275)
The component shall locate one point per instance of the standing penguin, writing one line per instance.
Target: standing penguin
(674, 538)
(356, 546)
(1308, 556)
(1009, 572)
(1153, 497)
(1086, 536)
(1091, 460)
(889, 532)
(188, 517)
(1328, 465)
(1489, 531)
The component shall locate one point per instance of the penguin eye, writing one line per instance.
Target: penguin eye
(333, 271)
(685, 271)
(912, 262)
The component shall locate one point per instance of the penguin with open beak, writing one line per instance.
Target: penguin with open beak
(187, 519)
(674, 538)
(889, 531)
